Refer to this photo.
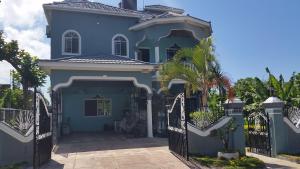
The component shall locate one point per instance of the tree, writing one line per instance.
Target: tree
(253, 92)
(194, 66)
(28, 73)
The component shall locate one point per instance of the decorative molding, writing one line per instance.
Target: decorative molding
(208, 131)
(179, 19)
(189, 30)
(52, 65)
(113, 44)
(102, 78)
(291, 125)
(174, 81)
(63, 43)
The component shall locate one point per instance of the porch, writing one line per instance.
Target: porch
(107, 150)
(104, 106)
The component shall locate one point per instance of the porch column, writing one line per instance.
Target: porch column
(149, 116)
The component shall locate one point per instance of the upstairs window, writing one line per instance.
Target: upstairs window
(171, 52)
(120, 45)
(71, 43)
(144, 55)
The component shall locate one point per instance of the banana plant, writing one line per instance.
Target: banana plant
(283, 90)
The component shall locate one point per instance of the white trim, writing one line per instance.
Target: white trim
(207, 132)
(180, 19)
(113, 44)
(139, 42)
(291, 125)
(63, 43)
(24, 139)
(157, 54)
(48, 66)
(101, 78)
(184, 29)
(174, 81)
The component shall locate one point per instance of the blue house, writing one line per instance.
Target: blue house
(104, 64)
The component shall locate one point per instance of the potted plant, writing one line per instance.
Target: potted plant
(224, 134)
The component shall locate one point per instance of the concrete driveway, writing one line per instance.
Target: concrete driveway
(106, 151)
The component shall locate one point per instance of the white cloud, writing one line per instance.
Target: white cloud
(24, 21)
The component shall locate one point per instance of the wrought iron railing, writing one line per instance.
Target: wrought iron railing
(20, 120)
(293, 114)
(206, 117)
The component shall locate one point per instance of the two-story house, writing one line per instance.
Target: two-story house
(104, 63)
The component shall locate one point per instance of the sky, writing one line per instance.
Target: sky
(248, 35)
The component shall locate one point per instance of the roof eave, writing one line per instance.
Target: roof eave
(48, 65)
(182, 19)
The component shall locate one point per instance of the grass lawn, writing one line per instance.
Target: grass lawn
(14, 166)
(242, 163)
(290, 157)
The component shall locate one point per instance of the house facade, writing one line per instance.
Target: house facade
(105, 60)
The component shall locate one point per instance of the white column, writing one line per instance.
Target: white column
(157, 54)
(136, 55)
(149, 116)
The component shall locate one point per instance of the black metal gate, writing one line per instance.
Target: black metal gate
(259, 133)
(177, 127)
(42, 131)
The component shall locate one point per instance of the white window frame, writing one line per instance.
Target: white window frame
(113, 44)
(110, 115)
(63, 43)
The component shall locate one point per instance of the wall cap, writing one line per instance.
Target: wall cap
(273, 102)
(235, 103)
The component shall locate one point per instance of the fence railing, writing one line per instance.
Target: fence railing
(206, 117)
(20, 120)
(293, 114)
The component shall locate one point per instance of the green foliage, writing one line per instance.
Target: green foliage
(282, 89)
(252, 91)
(12, 98)
(28, 73)
(195, 66)
(242, 163)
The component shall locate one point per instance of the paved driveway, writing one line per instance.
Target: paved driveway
(93, 151)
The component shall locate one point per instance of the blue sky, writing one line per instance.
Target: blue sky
(249, 35)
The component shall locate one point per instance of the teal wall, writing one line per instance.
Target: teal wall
(75, 95)
(62, 76)
(97, 31)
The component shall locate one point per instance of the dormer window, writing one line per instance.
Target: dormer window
(120, 45)
(71, 44)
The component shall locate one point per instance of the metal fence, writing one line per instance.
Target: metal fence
(293, 114)
(206, 117)
(18, 119)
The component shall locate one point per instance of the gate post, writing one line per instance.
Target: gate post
(234, 108)
(274, 109)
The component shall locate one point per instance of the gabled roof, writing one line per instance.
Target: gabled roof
(162, 8)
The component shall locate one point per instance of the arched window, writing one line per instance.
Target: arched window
(120, 46)
(71, 43)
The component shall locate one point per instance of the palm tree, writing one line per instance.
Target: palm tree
(194, 66)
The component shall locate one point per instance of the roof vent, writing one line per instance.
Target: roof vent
(129, 4)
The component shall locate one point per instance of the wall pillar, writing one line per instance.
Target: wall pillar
(274, 109)
(157, 54)
(234, 109)
(149, 116)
